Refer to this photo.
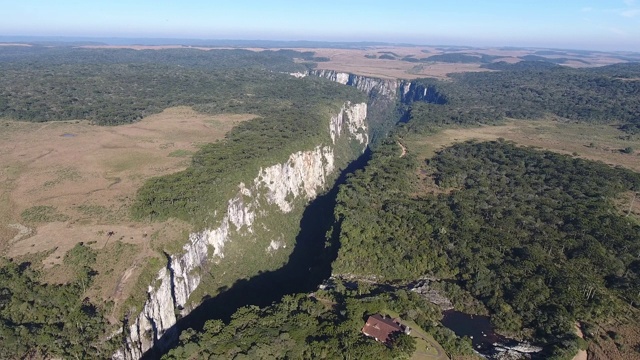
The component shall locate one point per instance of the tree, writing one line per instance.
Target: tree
(403, 344)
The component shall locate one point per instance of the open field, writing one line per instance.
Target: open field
(354, 60)
(366, 60)
(594, 142)
(67, 182)
(427, 348)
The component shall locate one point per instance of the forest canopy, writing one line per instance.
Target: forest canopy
(113, 87)
(532, 90)
(533, 235)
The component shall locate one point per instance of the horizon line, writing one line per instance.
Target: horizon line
(187, 41)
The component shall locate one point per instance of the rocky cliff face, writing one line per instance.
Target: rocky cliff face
(387, 97)
(384, 87)
(304, 174)
(403, 90)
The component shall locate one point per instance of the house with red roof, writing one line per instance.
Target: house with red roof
(382, 328)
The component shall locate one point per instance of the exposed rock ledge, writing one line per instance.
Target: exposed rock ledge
(404, 90)
(302, 175)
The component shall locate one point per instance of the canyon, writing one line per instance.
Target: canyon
(303, 176)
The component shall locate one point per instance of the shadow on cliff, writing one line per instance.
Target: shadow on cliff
(308, 266)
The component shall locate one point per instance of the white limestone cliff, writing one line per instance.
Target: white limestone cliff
(303, 175)
(385, 87)
(404, 90)
(354, 116)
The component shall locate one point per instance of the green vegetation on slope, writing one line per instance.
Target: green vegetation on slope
(533, 235)
(114, 87)
(295, 116)
(326, 325)
(40, 320)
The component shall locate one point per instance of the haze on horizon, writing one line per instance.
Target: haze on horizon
(579, 24)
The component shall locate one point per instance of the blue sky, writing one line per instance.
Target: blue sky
(600, 25)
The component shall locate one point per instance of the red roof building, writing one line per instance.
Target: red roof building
(382, 328)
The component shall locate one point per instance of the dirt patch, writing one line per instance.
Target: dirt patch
(619, 340)
(582, 354)
(22, 230)
(404, 149)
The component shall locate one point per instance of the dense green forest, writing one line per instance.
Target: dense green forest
(531, 90)
(51, 321)
(294, 116)
(113, 87)
(533, 235)
(325, 325)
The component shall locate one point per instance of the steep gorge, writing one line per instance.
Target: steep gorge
(388, 98)
(283, 185)
(279, 188)
(403, 90)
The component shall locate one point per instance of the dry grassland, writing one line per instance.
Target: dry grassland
(354, 60)
(85, 177)
(593, 142)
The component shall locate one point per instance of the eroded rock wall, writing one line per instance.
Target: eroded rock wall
(404, 90)
(303, 175)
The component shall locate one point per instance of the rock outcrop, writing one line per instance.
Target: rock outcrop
(404, 90)
(385, 87)
(303, 175)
